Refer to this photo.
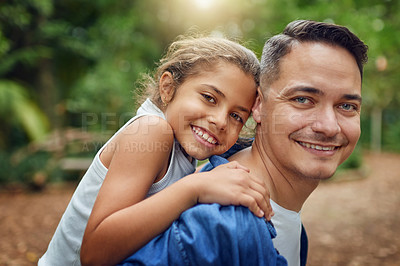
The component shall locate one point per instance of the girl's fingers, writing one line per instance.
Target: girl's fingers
(249, 202)
(262, 197)
(255, 195)
(259, 200)
(245, 190)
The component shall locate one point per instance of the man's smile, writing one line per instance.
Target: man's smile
(317, 147)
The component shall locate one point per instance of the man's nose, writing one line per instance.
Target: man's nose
(325, 121)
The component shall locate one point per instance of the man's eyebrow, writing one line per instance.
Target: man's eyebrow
(303, 89)
(355, 97)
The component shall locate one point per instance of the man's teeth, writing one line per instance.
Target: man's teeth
(317, 147)
(204, 135)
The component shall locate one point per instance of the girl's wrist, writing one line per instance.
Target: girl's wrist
(193, 187)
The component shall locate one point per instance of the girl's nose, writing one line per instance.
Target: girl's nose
(219, 119)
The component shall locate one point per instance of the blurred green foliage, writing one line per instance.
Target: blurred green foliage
(74, 63)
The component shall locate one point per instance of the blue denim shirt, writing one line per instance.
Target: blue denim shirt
(211, 234)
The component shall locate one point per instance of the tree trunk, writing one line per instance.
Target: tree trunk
(49, 99)
(376, 129)
(48, 95)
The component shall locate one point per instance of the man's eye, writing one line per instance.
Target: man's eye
(237, 117)
(208, 98)
(348, 107)
(301, 100)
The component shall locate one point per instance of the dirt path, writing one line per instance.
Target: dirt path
(357, 222)
(348, 223)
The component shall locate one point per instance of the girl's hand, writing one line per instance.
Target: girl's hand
(232, 184)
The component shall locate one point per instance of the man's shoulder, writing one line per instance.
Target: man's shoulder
(229, 234)
(229, 217)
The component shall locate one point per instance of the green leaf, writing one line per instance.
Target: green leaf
(16, 104)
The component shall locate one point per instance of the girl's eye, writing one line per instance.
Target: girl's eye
(348, 107)
(208, 98)
(237, 117)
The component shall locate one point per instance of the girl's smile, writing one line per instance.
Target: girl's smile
(205, 136)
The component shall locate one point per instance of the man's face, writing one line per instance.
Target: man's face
(310, 116)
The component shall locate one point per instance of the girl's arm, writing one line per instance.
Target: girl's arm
(122, 220)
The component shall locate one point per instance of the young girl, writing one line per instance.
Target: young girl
(203, 93)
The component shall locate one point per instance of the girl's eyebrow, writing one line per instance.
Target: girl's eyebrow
(215, 89)
(241, 108)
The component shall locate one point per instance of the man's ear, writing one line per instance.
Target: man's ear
(166, 87)
(257, 107)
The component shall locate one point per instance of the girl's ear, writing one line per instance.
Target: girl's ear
(166, 87)
(257, 107)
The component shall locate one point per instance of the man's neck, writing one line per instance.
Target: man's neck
(287, 190)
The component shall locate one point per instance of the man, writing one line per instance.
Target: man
(308, 123)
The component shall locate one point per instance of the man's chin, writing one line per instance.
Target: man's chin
(322, 174)
(319, 173)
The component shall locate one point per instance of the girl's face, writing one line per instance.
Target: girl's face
(208, 111)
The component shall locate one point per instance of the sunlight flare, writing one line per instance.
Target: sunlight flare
(203, 4)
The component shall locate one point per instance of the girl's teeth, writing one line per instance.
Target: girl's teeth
(205, 136)
(211, 140)
(198, 132)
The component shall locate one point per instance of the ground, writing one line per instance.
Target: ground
(352, 222)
